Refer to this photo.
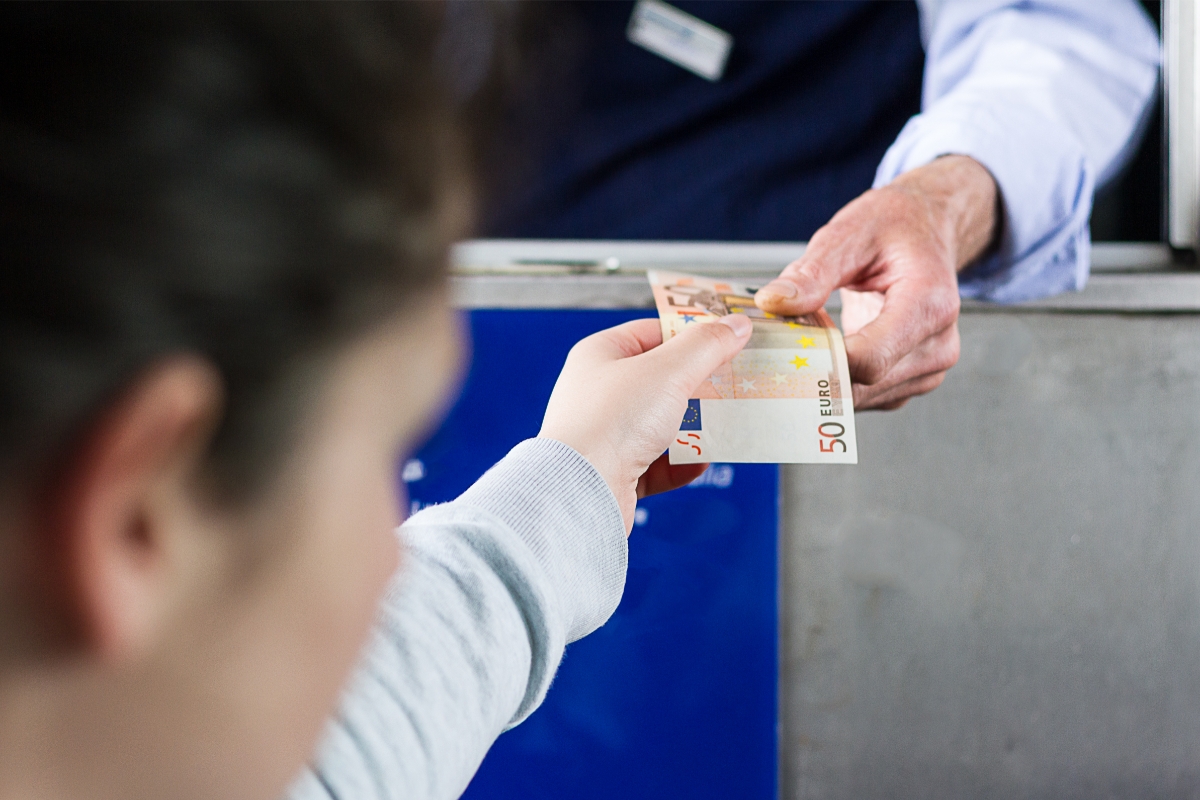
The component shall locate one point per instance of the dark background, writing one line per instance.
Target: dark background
(1130, 209)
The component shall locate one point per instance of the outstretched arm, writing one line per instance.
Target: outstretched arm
(1050, 97)
(496, 583)
(1027, 107)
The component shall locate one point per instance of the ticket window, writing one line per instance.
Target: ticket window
(678, 694)
(1180, 127)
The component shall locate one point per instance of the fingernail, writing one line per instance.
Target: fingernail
(781, 289)
(740, 324)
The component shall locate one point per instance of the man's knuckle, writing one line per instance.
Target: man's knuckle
(874, 366)
(796, 267)
(926, 385)
(945, 359)
(946, 303)
(947, 350)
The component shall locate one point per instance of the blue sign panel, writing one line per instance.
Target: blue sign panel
(676, 695)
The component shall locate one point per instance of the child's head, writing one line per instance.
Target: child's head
(222, 316)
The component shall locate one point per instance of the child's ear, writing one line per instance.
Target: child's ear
(111, 513)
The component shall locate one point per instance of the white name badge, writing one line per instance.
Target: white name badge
(680, 38)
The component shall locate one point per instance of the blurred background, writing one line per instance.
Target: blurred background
(1002, 599)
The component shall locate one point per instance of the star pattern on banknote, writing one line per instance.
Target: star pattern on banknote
(784, 380)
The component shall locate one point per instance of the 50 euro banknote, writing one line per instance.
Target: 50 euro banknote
(784, 399)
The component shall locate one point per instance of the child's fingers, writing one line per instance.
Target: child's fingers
(698, 350)
(663, 476)
(622, 341)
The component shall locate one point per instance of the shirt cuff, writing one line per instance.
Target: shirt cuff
(1045, 186)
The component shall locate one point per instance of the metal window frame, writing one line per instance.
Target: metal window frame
(1127, 277)
(1181, 37)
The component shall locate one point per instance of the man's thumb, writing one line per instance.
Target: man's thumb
(801, 288)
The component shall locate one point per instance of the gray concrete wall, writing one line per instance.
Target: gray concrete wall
(1003, 598)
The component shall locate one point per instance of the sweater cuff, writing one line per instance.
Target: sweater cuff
(562, 509)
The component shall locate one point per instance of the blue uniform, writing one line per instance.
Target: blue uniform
(812, 96)
(821, 100)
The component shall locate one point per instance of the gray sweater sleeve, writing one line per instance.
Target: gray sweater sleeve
(492, 587)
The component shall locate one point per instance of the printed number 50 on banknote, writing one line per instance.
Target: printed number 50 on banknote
(784, 399)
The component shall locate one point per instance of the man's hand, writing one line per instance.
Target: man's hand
(621, 397)
(895, 253)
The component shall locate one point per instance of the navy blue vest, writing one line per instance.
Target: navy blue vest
(812, 95)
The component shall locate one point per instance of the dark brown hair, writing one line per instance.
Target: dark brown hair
(250, 183)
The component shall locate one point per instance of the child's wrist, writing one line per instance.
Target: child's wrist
(605, 461)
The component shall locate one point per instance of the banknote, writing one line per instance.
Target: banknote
(784, 399)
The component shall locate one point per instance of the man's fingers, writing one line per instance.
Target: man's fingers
(696, 352)
(898, 395)
(911, 314)
(663, 476)
(936, 354)
(836, 254)
(904, 392)
(802, 287)
(933, 357)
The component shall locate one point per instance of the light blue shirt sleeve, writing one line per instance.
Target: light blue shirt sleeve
(1049, 96)
(491, 589)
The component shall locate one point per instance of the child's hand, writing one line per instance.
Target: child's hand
(621, 397)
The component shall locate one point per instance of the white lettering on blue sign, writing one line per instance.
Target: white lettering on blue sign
(718, 476)
(414, 470)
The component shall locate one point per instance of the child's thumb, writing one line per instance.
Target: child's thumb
(698, 350)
